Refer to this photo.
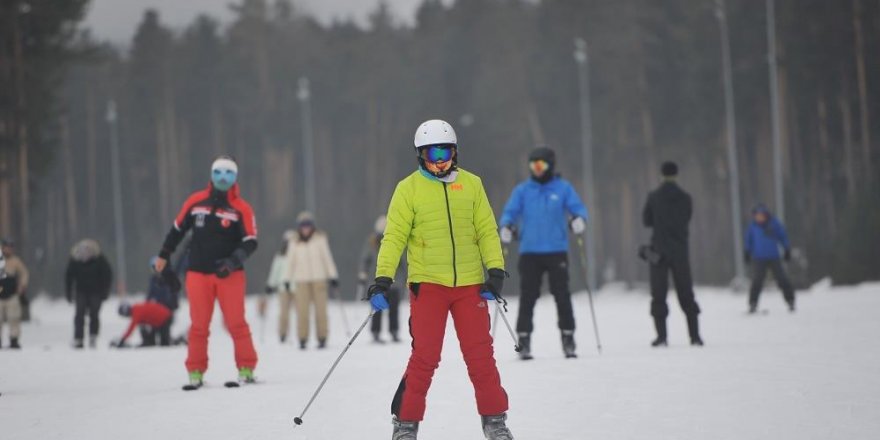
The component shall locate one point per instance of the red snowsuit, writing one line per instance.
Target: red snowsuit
(150, 313)
(223, 226)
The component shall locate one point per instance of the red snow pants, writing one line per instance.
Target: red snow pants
(430, 305)
(202, 289)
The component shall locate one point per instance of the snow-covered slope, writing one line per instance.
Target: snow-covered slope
(814, 374)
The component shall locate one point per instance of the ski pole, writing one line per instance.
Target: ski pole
(505, 250)
(342, 311)
(589, 292)
(299, 420)
(502, 303)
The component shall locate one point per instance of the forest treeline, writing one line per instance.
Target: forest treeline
(501, 71)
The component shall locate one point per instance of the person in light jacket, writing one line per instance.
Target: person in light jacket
(279, 282)
(311, 267)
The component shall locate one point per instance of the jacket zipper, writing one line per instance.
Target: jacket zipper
(451, 236)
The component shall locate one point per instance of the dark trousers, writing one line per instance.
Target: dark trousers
(87, 305)
(531, 270)
(680, 268)
(759, 268)
(393, 296)
(150, 335)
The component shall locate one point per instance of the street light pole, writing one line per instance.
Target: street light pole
(304, 96)
(119, 226)
(774, 111)
(733, 167)
(581, 57)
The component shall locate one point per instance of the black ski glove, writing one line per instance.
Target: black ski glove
(377, 293)
(787, 255)
(495, 282)
(226, 266)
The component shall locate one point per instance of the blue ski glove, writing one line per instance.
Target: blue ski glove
(488, 296)
(376, 293)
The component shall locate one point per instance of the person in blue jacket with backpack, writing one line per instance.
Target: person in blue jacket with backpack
(540, 212)
(763, 240)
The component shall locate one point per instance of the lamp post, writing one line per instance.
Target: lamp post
(304, 96)
(119, 226)
(733, 167)
(581, 58)
(774, 111)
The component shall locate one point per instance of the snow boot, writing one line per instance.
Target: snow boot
(694, 330)
(246, 375)
(525, 346)
(753, 308)
(495, 428)
(302, 344)
(322, 343)
(93, 341)
(13, 344)
(790, 306)
(394, 337)
(195, 378)
(283, 338)
(78, 344)
(404, 430)
(568, 344)
(660, 325)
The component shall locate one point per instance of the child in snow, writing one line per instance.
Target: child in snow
(763, 240)
(153, 319)
(441, 215)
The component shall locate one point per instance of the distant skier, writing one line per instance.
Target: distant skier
(668, 212)
(278, 282)
(224, 236)
(164, 289)
(542, 210)
(152, 318)
(88, 278)
(440, 214)
(369, 255)
(310, 266)
(765, 236)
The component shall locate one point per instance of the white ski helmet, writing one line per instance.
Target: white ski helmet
(435, 132)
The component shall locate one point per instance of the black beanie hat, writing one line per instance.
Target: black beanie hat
(669, 169)
(543, 153)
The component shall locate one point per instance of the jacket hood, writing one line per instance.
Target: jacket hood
(85, 250)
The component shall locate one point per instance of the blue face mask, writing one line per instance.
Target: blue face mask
(223, 179)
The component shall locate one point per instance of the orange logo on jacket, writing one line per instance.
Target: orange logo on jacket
(456, 187)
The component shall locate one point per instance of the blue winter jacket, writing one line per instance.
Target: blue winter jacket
(763, 240)
(541, 211)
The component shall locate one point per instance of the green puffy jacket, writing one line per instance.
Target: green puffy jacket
(448, 229)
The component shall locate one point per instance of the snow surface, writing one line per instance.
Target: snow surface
(814, 374)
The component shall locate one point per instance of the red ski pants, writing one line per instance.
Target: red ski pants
(429, 308)
(202, 289)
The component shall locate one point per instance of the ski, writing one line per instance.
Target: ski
(232, 384)
(191, 387)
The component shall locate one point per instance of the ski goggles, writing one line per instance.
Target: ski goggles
(539, 166)
(438, 153)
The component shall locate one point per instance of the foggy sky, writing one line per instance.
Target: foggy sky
(116, 20)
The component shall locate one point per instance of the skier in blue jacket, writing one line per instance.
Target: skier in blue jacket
(540, 212)
(763, 240)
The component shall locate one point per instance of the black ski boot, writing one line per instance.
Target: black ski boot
(302, 344)
(753, 308)
(13, 344)
(694, 330)
(660, 325)
(322, 343)
(791, 306)
(404, 430)
(78, 344)
(525, 346)
(495, 428)
(568, 344)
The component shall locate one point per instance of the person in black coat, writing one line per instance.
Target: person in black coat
(668, 212)
(87, 282)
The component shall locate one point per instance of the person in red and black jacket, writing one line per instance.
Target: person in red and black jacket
(224, 235)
